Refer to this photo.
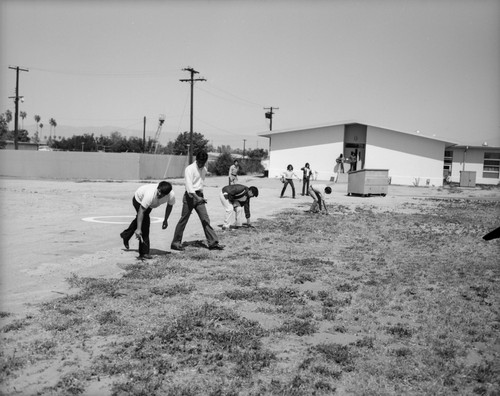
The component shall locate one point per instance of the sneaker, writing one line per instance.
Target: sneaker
(216, 246)
(176, 246)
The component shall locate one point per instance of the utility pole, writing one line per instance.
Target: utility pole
(191, 80)
(244, 141)
(16, 102)
(269, 115)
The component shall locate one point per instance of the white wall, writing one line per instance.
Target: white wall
(318, 146)
(474, 160)
(409, 159)
(89, 165)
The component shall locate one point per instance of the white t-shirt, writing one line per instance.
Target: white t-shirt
(147, 196)
(194, 178)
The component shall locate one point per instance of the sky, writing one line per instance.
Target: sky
(431, 66)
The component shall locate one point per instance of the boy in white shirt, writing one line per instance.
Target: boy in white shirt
(194, 176)
(146, 198)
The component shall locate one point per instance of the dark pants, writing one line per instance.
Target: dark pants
(146, 222)
(305, 185)
(287, 182)
(317, 201)
(187, 207)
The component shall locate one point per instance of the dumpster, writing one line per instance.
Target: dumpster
(367, 182)
(467, 179)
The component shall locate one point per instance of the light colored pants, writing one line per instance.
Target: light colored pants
(230, 209)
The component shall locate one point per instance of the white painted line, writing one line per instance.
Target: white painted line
(100, 219)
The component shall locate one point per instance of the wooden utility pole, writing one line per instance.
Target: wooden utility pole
(191, 80)
(269, 115)
(16, 102)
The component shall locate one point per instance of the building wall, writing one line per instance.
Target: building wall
(89, 165)
(318, 146)
(474, 160)
(411, 160)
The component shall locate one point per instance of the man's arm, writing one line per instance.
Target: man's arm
(140, 218)
(168, 210)
(247, 211)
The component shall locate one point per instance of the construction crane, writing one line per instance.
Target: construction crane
(161, 120)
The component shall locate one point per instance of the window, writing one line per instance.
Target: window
(448, 160)
(491, 165)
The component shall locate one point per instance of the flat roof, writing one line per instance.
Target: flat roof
(271, 133)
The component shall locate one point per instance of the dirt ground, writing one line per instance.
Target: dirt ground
(45, 239)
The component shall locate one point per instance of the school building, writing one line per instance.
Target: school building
(411, 159)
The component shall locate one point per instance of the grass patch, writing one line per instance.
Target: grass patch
(372, 303)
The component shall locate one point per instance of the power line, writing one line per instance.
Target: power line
(230, 94)
(145, 73)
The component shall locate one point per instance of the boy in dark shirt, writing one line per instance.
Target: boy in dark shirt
(235, 198)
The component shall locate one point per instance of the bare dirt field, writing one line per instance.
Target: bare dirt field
(307, 302)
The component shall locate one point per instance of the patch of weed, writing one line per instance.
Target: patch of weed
(400, 330)
(170, 291)
(17, 324)
(339, 354)
(299, 327)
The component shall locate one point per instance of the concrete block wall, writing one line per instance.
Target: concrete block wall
(90, 165)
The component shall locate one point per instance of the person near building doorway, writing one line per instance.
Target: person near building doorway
(340, 163)
(353, 159)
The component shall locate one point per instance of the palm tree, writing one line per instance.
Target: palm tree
(37, 120)
(23, 115)
(41, 127)
(53, 124)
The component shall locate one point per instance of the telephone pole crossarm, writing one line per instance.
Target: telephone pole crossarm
(269, 115)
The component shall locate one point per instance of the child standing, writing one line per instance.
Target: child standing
(288, 176)
(306, 175)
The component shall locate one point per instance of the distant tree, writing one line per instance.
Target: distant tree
(168, 149)
(22, 135)
(41, 128)
(36, 137)
(37, 120)
(4, 129)
(8, 116)
(3, 124)
(53, 124)
(224, 149)
(23, 115)
(222, 164)
(76, 143)
(182, 142)
(256, 154)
